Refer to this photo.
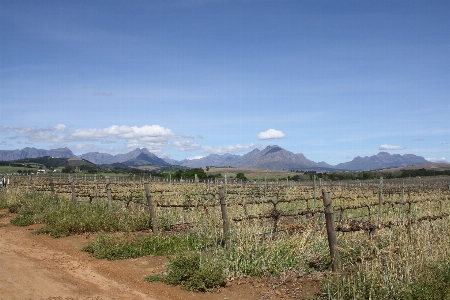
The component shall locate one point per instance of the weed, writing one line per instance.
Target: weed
(122, 247)
(24, 220)
(195, 271)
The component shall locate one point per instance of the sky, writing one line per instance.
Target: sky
(330, 79)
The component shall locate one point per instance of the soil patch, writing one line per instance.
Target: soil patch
(41, 267)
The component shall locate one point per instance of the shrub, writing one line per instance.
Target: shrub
(195, 272)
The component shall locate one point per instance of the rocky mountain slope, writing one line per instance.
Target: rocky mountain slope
(270, 158)
(382, 160)
(7, 155)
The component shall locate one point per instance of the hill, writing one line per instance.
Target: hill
(8, 155)
(271, 158)
(380, 161)
(137, 157)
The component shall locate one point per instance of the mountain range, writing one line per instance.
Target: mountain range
(270, 158)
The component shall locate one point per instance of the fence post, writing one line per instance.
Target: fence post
(31, 185)
(332, 239)
(226, 222)
(52, 187)
(380, 199)
(403, 190)
(151, 207)
(74, 194)
(108, 193)
(314, 205)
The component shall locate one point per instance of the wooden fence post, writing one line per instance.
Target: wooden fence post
(226, 222)
(314, 207)
(380, 199)
(31, 185)
(52, 187)
(108, 193)
(74, 194)
(403, 190)
(332, 239)
(151, 207)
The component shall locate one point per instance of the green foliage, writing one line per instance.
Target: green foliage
(115, 247)
(295, 178)
(432, 284)
(92, 169)
(241, 176)
(14, 207)
(47, 161)
(68, 169)
(67, 218)
(189, 174)
(269, 258)
(63, 217)
(195, 271)
(24, 220)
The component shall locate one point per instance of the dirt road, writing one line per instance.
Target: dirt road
(41, 267)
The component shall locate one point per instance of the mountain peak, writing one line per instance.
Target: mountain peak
(271, 149)
(381, 160)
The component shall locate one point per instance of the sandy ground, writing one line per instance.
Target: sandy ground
(41, 267)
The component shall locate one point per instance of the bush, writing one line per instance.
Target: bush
(195, 272)
(14, 208)
(24, 220)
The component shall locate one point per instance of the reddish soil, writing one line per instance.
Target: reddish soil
(41, 267)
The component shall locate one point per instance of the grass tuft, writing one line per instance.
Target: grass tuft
(113, 247)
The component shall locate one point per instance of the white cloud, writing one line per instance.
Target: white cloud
(185, 146)
(271, 134)
(439, 160)
(391, 147)
(228, 149)
(50, 134)
(118, 139)
(444, 143)
(60, 128)
(195, 157)
(125, 132)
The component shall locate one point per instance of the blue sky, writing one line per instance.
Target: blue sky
(329, 79)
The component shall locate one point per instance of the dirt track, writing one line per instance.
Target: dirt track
(40, 267)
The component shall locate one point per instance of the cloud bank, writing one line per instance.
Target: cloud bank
(155, 138)
(391, 147)
(271, 134)
(439, 160)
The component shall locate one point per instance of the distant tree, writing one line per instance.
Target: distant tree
(68, 169)
(241, 176)
(294, 178)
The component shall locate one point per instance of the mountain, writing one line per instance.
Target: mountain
(8, 155)
(221, 160)
(144, 159)
(270, 158)
(137, 157)
(276, 158)
(381, 160)
(99, 158)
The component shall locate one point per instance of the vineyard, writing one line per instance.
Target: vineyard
(271, 227)
(357, 206)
